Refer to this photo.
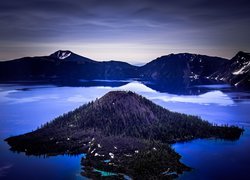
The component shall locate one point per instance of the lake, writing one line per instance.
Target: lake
(24, 107)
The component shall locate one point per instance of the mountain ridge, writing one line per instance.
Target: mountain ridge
(183, 67)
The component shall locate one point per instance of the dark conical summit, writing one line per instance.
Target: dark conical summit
(126, 114)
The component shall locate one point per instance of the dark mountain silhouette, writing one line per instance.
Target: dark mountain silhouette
(64, 65)
(175, 69)
(176, 73)
(120, 125)
(181, 66)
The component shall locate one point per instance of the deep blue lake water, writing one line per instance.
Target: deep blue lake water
(23, 108)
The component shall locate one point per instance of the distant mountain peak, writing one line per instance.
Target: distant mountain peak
(69, 56)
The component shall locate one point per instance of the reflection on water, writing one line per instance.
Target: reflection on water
(136, 87)
(79, 94)
(171, 86)
(25, 107)
(213, 97)
(214, 86)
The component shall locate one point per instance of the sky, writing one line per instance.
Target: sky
(135, 31)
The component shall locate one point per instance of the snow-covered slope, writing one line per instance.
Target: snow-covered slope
(63, 54)
(67, 55)
(236, 71)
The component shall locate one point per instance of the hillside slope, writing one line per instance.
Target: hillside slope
(181, 66)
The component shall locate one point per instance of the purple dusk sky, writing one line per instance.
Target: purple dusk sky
(131, 30)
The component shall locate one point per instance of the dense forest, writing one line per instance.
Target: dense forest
(128, 114)
(122, 123)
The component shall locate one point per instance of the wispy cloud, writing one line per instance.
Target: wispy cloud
(217, 28)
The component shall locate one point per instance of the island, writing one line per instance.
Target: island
(122, 134)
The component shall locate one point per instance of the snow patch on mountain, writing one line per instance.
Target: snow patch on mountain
(63, 54)
(242, 70)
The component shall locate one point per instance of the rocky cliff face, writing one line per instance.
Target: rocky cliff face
(235, 71)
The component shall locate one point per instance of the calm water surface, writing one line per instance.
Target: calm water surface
(24, 108)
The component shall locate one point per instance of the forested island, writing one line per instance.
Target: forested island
(122, 133)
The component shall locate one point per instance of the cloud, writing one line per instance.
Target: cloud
(195, 23)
